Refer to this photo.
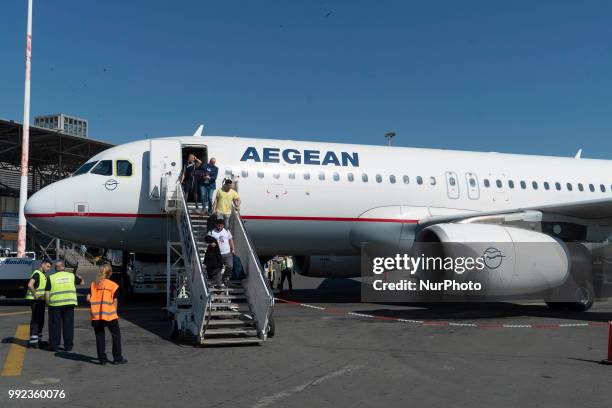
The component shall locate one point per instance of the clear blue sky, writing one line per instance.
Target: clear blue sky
(511, 76)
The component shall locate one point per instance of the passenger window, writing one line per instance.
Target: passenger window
(472, 182)
(534, 184)
(276, 175)
(84, 168)
(419, 180)
(260, 174)
(364, 177)
(603, 188)
(511, 183)
(350, 177)
(307, 176)
(228, 172)
(523, 185)
(336, 177)
(406, 179)
(592, 188)
(580, 187)
(291, 176)
(432, 181)
(321, 176)
(392, 179)
(498, 183)
(103, 168)
(487, 183)
(546, 185)
(558, 186)
(378, 178)
(244, 173)
(569, 186)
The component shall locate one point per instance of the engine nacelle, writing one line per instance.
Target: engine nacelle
(517, 261)
(328, 266)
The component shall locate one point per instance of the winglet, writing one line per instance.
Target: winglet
(199, 132)
(578, 154)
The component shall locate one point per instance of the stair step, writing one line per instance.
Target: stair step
(230, 322)
(227, 291)
(239, 340)
(229, 330)
(220, 313)
(224, 304)
(228, 297)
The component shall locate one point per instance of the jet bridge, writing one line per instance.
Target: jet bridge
(241, 313)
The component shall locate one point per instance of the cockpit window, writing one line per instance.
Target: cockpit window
(103, 168)
(84, 168)
(124, 168)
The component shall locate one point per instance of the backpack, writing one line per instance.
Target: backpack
(238, 273)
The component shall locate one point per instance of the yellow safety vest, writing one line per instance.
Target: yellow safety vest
(63, 289)
(40, 289)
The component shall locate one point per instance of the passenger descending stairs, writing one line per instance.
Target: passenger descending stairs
(229, 320)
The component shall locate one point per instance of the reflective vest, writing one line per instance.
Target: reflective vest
(102, 300)
(40, 289)
(63, 289)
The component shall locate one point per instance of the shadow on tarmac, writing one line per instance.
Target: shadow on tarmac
(15, 340)
(349, 291)
(76, 357)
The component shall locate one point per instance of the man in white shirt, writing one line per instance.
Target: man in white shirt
(226, 246)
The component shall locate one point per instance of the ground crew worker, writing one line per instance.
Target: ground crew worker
(61, 297)
(36, 294)
(102, 300)
(286, 268)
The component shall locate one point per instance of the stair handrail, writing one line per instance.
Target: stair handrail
(199, 289)
(259, 294)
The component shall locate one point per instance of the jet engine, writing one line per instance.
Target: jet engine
(516, 261)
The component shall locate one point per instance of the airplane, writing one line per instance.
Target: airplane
(322, 201)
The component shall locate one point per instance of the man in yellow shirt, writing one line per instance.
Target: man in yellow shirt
(225, 198)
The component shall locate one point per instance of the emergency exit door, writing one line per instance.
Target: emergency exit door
(471, 181)
(452, 185)
(164, 161)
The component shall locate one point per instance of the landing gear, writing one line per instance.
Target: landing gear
(583, 295)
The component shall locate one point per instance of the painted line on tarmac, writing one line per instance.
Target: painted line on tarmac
(81, 309)
(14, 360)
(438, 323)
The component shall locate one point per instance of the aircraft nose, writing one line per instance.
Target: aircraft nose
(40, 209)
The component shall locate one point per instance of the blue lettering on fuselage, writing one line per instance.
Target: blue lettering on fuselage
(293, 156)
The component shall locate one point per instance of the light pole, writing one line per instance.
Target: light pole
(389, 136)
(25, 141)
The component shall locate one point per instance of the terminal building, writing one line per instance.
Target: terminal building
(66, 124)
(56, 151)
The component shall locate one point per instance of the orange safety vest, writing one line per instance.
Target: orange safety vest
(102, 301)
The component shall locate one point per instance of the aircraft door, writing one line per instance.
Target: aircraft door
(471, 181)
(164, 160)
(452, 185)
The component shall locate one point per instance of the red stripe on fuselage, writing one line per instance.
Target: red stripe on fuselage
(338, 219)
(245, 217)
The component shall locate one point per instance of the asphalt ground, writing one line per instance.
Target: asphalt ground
(330, 350)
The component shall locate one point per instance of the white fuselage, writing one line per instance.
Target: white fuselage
(299, 199)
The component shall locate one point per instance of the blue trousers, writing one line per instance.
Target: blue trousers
(206, 195)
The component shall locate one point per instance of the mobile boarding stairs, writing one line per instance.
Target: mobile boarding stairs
(241, 313)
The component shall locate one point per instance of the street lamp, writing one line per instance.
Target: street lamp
(389, 136)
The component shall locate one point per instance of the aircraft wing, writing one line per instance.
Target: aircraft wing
(588, 210)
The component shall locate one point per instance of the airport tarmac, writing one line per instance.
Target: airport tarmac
(332, 351)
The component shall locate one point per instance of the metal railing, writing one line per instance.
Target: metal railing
(259, 295)
(198, 290)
